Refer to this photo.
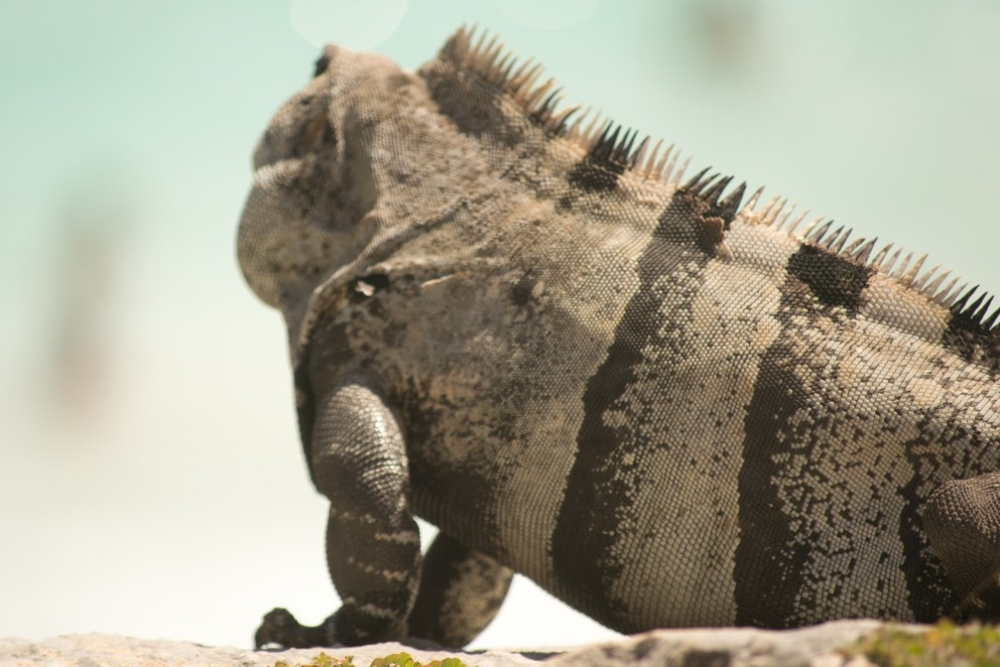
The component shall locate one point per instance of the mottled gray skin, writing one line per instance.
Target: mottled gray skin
(665, 410)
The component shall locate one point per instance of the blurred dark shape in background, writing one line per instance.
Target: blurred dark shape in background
(724, 33)
(90, 239)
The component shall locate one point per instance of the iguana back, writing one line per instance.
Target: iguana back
(663, 407)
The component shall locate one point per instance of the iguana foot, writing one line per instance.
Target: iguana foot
(280, 628)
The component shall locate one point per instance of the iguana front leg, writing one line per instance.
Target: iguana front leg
(372, 541)
(962, 522)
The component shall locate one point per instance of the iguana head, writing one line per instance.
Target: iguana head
(307, 214)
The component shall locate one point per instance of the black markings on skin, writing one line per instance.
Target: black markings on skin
(832, 279)
(599, 170)
(595, 177)
(598, 498)
(444, 491)
(711, 202)
(471, 104)
(710, 234)
(729, 206)
(521, 293)
(922, 570)
(773, 570)
(317, 131)
(960, 340)
(770, 559)
(970, 333)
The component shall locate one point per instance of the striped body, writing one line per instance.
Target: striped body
(664, 409)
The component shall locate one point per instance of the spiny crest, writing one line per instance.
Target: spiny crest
(606, 142)
(710, 189)
(602, 139)
(972, 315)
(499, 67)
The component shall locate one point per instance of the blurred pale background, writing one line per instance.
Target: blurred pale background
(151, 480)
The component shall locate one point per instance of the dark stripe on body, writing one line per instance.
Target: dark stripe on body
(590, 176)
(772, 556)
(597, 497)
(769, 567)
(593, 175)
(599, 170)
(929, 592)
(970, 333)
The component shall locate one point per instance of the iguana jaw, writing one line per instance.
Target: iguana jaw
(313, 186)
(283, 254)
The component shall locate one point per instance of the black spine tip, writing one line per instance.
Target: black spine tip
(730, 205)
(712, 194)
(981, 312)
(696, 184)
(958, 308)
(991, 320)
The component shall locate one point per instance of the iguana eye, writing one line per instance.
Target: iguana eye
(324, 60)
(322, 63)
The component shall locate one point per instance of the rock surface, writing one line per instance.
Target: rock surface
(809, 647)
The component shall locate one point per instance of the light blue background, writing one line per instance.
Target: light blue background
(151, 480)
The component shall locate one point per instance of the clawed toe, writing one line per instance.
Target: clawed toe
(279, 627)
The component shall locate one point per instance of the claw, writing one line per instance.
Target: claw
(280, 627)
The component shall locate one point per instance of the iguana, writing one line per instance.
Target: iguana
(664, 407)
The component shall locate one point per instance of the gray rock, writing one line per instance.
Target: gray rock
(730, 647)
(97, 650)
(808, 647)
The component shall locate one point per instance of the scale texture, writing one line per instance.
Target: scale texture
(666, 405)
